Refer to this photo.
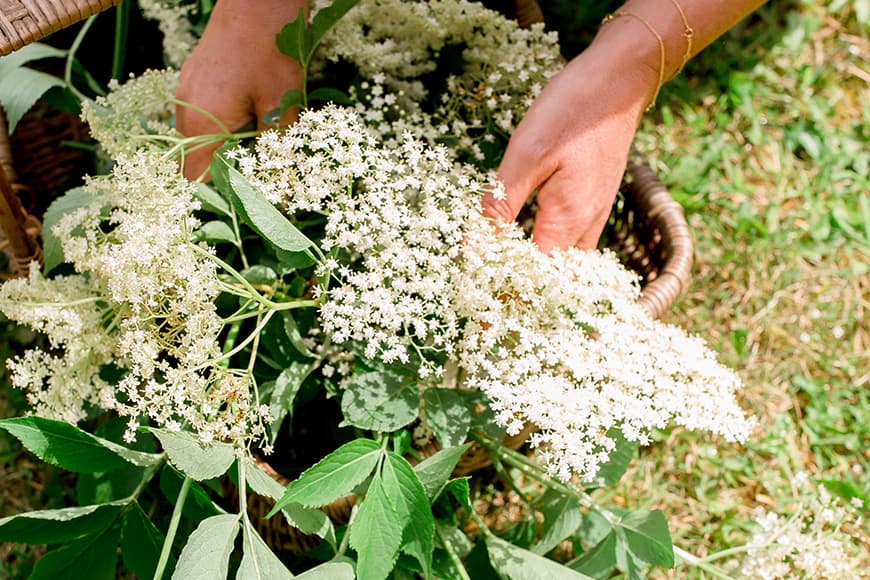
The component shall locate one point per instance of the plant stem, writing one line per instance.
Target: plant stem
(122, 22)
(454, 557)
(173, 529)
(714, 571)
(71, 55)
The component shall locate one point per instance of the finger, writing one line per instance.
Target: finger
(524, 167)
(568, 215)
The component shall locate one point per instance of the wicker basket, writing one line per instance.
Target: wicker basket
(647, 229)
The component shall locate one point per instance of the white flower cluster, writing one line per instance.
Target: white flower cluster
(558, 341)
(145, 302)
(72, 314)
(808, 544)
(172, 18)
(396, 42)
(142, 106)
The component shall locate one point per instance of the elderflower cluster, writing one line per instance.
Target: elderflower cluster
(422, 278)
(495, 68)
(145, 302)
(72, 314)
(133, 113)
(172, 18)
(808, 544)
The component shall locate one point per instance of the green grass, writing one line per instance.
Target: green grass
(764, 140)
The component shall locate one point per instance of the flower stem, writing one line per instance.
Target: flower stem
(173, 529)
(699, 563)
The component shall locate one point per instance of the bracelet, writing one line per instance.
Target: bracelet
(658, 36)
(689, 34)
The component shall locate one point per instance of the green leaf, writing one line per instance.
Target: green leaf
(292, 332)
(292, 98)
(73, 199)
(334, 476)
(71, 448)
(215, 232)
(381, 401)
(434, 471)
(211, 200)
(518, 564)
(294, 39)
(562, 517)
(260, 275)
(458, 488)
(329, 95)
(455, 537)
(306, 520)
(412, 507)
(22, 87)
(648, 537)
(141, 543)
(599, 561)
(293, 261)
(258, 560)
(482, 416)
(376, 532)
(207, 552)
(617, 464)
(90, 558)
(287, 385)
(847, 491)
(28, 53)
(325, 18)
(329, 571)
(195, 460)
(263, 217)
(93, 488)
(197, 506)
(447, 416)
(60, 525)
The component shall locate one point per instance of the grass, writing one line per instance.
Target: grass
(763, 139)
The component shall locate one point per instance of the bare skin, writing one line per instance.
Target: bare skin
(572, 145)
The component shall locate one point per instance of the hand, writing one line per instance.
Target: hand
(236, 72)
(572, 146)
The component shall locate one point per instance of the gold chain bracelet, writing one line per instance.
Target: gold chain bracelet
(651, 28)
(688, 33)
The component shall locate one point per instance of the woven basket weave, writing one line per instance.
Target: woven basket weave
(647, 228)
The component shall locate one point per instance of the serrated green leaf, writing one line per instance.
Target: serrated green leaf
(412, 506)
(294, 39)
(211, 200)
(562, 517)
(334, 476)
(516, 563)
(329, 95)
(71, 448)
(197, 506)
(60, 525)
(28, 53)
(325, 18)
(192, 458)
(72, 200)
(94, 557)
(617, 464)
(458, 488)
(287, 385)
(648, 537)
(258, 560)
(381, 401)
(20, 89)
(434, 471)
(306, 520)
(376, 533)
(329, 571)
(447, 416)
(207, 552)
(599, 561)
(141, 543)
(262, 216)
(292, 331)
(215, 232)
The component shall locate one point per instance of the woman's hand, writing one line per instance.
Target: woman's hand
(236, 72)
(572, 146)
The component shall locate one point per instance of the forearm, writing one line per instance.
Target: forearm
(636, 33)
